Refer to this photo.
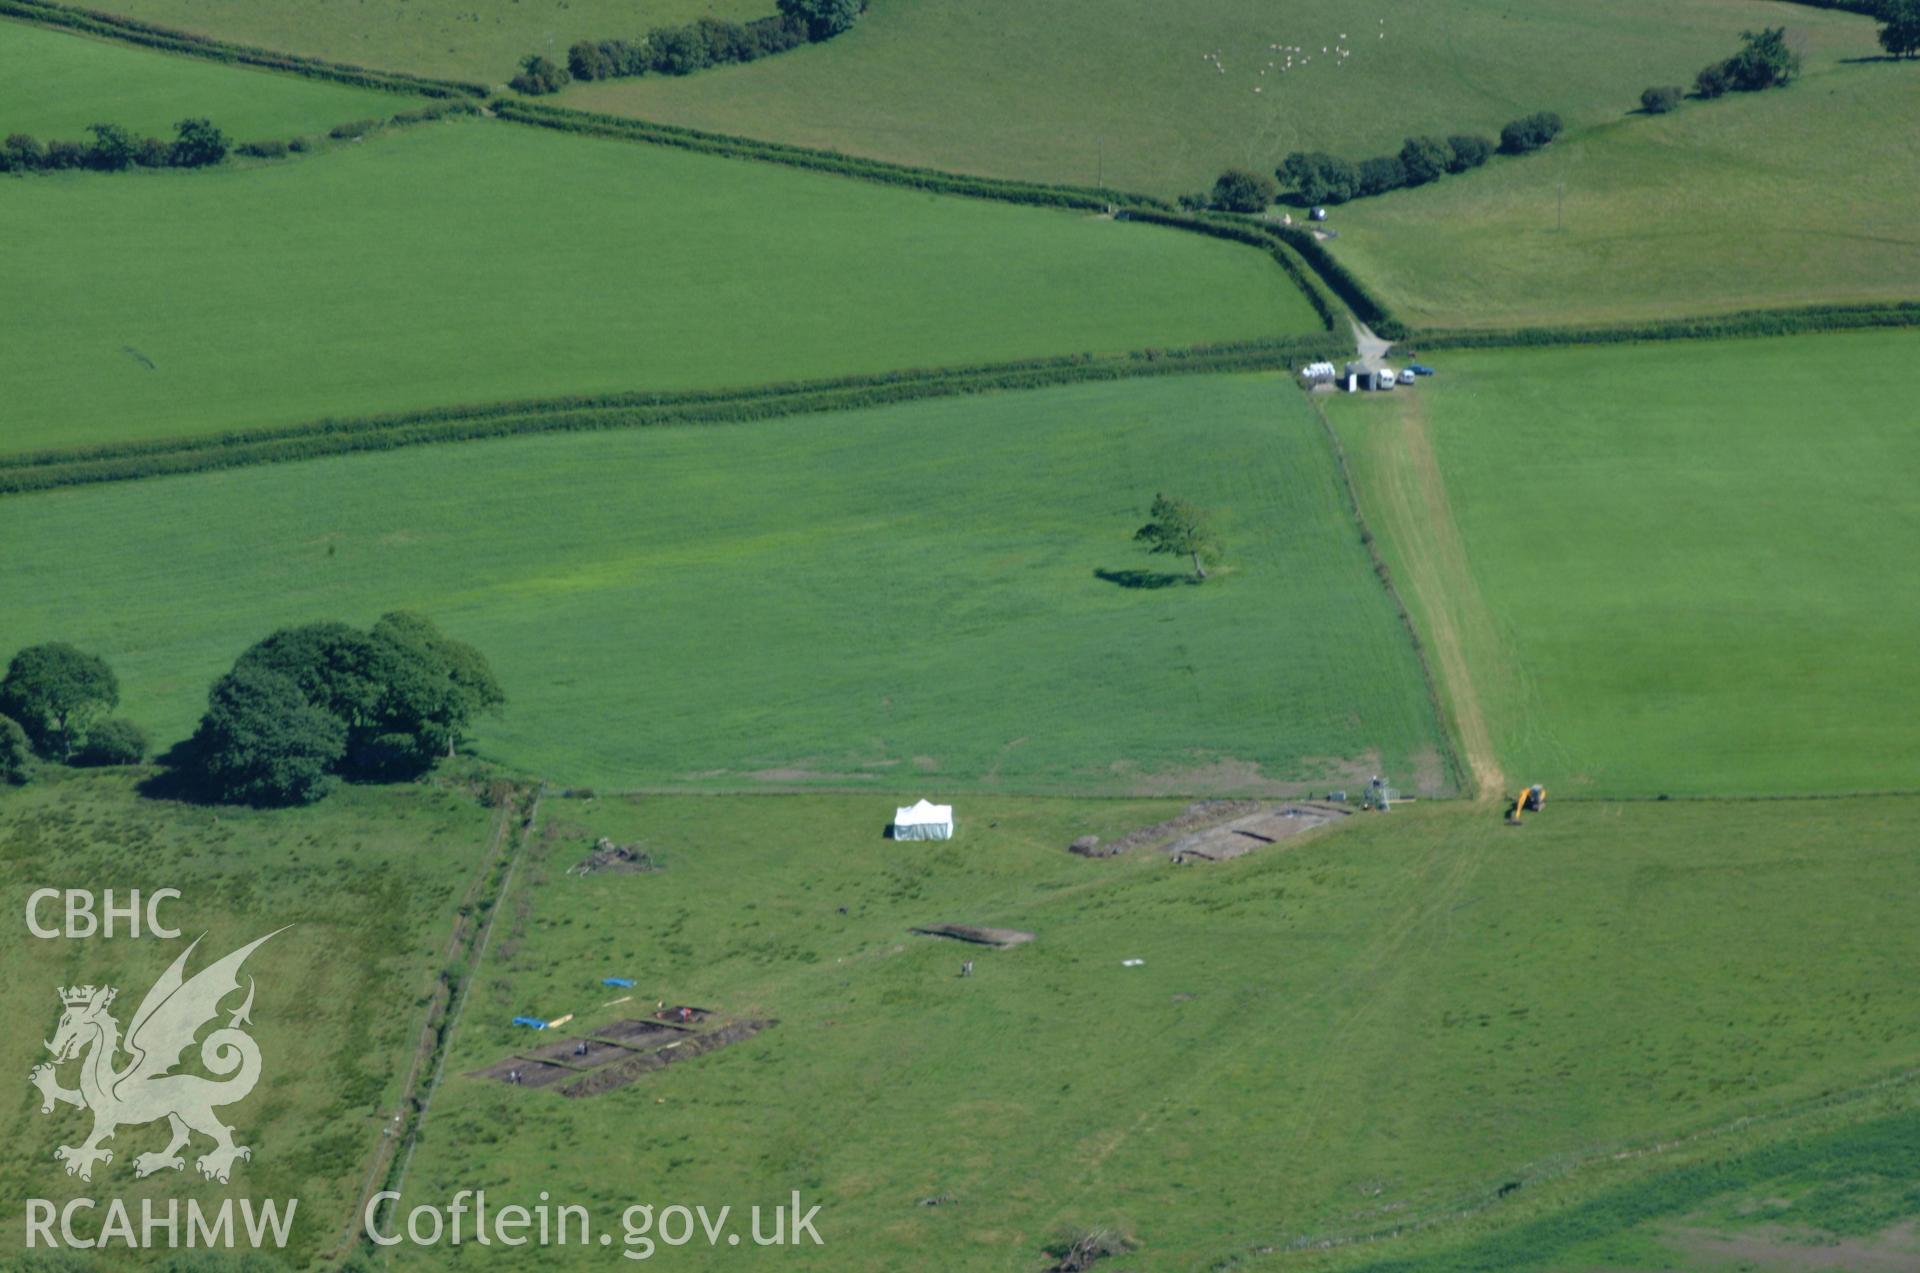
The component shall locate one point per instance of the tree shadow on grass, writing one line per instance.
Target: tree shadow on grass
(1149, 579)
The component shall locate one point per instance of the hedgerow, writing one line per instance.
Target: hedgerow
(199, 144)
(131, 31)
(111, 462)
(1753, 322)
(1253, 234)
(704, 42)
(933, 179)
(1367, 307)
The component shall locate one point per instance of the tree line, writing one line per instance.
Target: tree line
(695, 46)
(1322, 178)
(300, 710)
(1764, 61)
(197, 143)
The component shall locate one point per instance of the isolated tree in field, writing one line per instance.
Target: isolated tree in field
(824, 19)
(1178, 527)
(1237, 190)
(198, 144)
(114, 147)
(262, 743)
(53, 691)
(1900, 29)
(1424, 159)
(1661, 98)
(1712, 81)
(16, 752)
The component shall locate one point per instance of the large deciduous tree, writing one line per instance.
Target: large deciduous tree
(1237, 190)
(261, 742)
(397, 698)
(1900, 27)
(53, 690)
(1178, 527)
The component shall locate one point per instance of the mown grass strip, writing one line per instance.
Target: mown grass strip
(45, 470)
(151, 35)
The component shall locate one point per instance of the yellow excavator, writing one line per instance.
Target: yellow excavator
(1530, 800)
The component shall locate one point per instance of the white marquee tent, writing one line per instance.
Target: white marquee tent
(923, 821)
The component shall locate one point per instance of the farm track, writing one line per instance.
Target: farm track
(1418, 516)
(444, 1017)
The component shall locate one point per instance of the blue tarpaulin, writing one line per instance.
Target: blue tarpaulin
(534, 1023)
(625, 983)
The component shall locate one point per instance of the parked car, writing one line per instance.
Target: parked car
(1406, 377)
(1420, 369)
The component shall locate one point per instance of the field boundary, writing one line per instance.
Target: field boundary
(497, 877)
(1785, 321)
(171, 40)
(46, 470)
(1465, 779)
(1003, 189)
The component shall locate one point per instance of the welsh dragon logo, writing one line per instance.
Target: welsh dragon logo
(144, 1090)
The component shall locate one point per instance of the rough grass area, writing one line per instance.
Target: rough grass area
(1757, 200)
(1678, 563)
(1131, 89)
(368, 880)
(472, 262)
(54, 84)
(947, 588)
(453, 39)
(1364, 1030)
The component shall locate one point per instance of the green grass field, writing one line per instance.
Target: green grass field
(1677, 558)
(368, 881)
(1721, 205)
(840, 598)
(469, 262)
(54, 84)
(1377, 1027)
(1126, 90)
(482, 43)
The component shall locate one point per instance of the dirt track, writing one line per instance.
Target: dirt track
(1440, 581)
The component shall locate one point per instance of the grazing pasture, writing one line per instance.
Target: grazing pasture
(1677, 558)
(469, 261)
(1375, 1027)
(1160, 97)
(54, 83)
(369, 881)
(1757, 200)
(453, 39)
(947, 588)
